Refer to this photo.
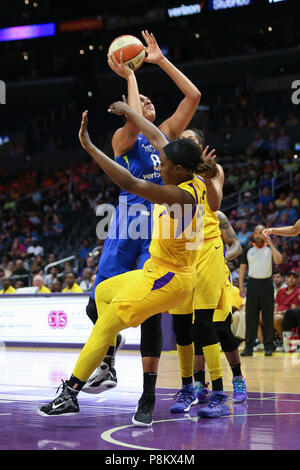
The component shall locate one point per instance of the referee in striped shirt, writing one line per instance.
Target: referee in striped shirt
(258, 261)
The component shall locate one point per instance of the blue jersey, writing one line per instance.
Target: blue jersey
(124, 253)
(142, 160)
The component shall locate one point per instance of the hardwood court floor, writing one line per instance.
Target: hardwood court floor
(268, 420)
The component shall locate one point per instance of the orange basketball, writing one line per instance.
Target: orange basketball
(132, 48)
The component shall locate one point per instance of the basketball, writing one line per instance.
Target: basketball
(132, 48)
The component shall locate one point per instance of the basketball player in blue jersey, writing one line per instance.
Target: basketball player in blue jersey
(120, 254)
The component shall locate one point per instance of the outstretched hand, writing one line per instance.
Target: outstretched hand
(83, 132)
(119, 107)
(153, 51)
(211, 154)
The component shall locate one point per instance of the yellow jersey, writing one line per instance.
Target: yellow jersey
(211, 221)
(75, 289)
(9, 290)
(176, 240)
(44, 290)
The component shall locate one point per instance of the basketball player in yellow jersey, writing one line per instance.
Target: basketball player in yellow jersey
(222, 323)
(130, 298)
(210, 281)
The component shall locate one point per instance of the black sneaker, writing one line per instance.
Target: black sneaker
(269, 352)
(144, 410)
(65, 404)
(247, 352)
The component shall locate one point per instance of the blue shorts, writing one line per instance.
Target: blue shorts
(123, 254)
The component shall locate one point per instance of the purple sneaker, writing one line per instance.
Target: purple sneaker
(186, 398)
(219, 405)
(239, 389)
(202, 392)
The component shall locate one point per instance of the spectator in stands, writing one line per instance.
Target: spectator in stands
(283, 142)
(278, 281)
(17, 248)
(20, 273)
(295, 257)
(86, 283)
(71, 287)
(57, 225)
(246, 208)
(287, 298)
(38, 282)
(266, 196)
(9, 269)
(291, 164)
(244, 234)
(260, 214)
(280, 201)
(284, 266)
(38, 265)
(272, 213)
(34, 249)
(52, 277)
(86, 248)
(295, 200)
(290, 211)
(57, 286)
(256, 146)
(7, 287)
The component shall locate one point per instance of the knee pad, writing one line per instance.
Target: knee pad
(91, 310)
(151, 337)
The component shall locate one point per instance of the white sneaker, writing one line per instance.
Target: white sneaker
(279, 348)
(104, 377)
(259, 347)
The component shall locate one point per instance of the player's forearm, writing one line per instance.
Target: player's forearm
(151, 132)
(289, 231)
(183, 83)
(133, 94)
(213, 194)
(234, 251)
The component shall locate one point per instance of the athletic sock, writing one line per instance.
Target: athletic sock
(149, 383)
(187, 380)
(199, 376)
(236, 370)
(217, 385)
(74, 384)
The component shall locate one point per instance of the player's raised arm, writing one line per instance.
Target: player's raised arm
(175, 124)
(125, 137)
(214, 186)
(288, 231)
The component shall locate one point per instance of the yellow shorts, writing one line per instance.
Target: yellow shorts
(210, 278)
(140, 294)
(224, 306)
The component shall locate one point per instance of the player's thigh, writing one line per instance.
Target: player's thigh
(211, 272)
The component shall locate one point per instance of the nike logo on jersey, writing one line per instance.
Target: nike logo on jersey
(216, 247)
